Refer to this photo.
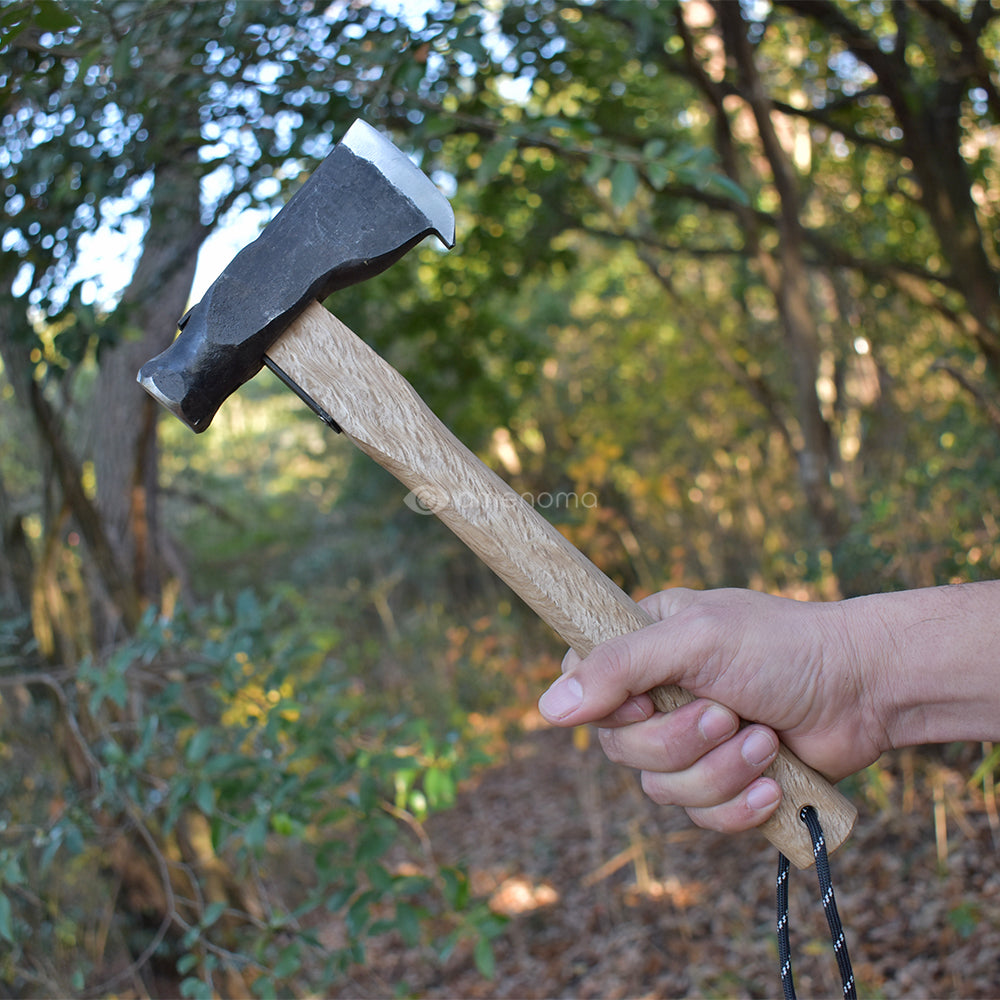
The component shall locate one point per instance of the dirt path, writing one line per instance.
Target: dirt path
(611, 897)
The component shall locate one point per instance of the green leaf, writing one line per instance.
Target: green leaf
(597, 168)
(6, 919)
(204, 797)
(11, 872)
(965, 918)
(726, 185)
(15, 13)
(338, 900)
(358, 914)
(493, 159)
(223, 763)
(367, 792)
(659, 173)
(381, 880)
(408, 922)
(440, 787)
(198, 746)
(283, 824)
(196, 989)
(403, 782)
(418, 804)
(122, 59)
(654, 149)
(187, 962)
(624, 184)
(255, 833)
(447, 946)
(456, 888)
(248, 609)
(471, 45)
(12, 23)
(51, 16)
(485, 960)
(409, 885)
(371, 845)
(212, 913)
(288, 962)
(191, 935)
(55, 841)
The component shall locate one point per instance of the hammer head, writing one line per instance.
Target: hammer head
(361, 210)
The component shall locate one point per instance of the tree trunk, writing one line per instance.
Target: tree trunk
(787, 276)
(64, 481)
(125, 417)
(16, 566)
(929, 112)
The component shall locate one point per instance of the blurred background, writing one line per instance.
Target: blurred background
(723, 305)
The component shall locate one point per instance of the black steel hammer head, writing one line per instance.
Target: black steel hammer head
(361, 210)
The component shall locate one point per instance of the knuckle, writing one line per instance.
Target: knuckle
(618, 661)
(667, 602)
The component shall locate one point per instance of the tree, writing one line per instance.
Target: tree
(162, 117)
(855, 174)
(829, 181)
(730, 269)
(108, 125)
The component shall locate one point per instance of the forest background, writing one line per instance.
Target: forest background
(724, 303)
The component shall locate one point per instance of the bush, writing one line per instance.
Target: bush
(253, 807)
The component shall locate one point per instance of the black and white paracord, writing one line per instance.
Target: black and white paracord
(811, 819)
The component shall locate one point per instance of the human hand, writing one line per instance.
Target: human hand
(793, 668)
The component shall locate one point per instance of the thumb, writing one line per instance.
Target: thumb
(616, 672)
(562, 704)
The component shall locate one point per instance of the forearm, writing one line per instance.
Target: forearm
(936, 654)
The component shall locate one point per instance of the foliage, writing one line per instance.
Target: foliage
(575, 135)
(258, 746)
(644, 115)
(97, 102)
(728, 269)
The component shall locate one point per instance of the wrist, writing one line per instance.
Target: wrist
(930, 659)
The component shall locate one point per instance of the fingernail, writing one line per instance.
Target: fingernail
(564, 697)
(716, 724)
(758, 748)
(631, 711)
(762, 795)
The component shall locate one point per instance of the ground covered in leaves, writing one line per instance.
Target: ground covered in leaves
(610, 897)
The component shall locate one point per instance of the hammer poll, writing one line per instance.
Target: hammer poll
(362, 209)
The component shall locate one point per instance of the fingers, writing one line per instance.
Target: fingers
(695, 757)
(716, 778)
(698, 757)
(673, 741)
(637, 709)
(748, 809)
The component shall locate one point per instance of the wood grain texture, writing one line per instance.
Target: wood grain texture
(381, 413)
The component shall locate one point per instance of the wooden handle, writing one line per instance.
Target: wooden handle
(380, 412)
